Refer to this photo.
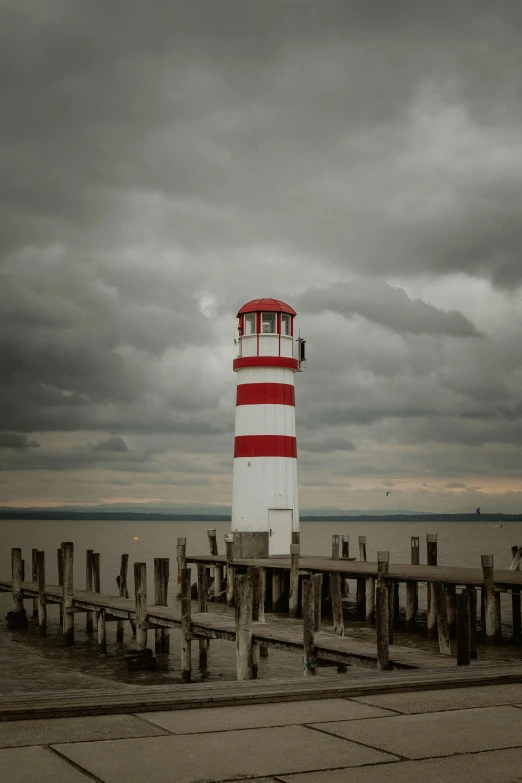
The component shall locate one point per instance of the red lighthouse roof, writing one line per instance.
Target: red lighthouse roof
(266, 306)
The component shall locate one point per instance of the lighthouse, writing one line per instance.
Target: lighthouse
(265, 509)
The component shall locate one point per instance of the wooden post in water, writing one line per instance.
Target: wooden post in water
(439, 599)
(362, 549)
(345, 553)
(256, 573)
(89, 625)
(451, 608)
(101, 631)
(186, 625)
(218, 571)
(59, 554)
(370, 600)
(42, 601)
(336, 547)
(68, 612)
(412, 588)
(491, 603)
(293, 598)
(472, 592)
(140, 595)
(516, 552)
(34, 578)
(361, 585)
(381, 613)
(181, 556)
(463, 628)
(317, 582)
(122, 588)
(337, 604)
(277, 589)
(202, 607)
(161, 582)
(396, 606)
(391, 611)
(308, 627)
(96, 573)
(16, 579)
(431, 550)
(229, 544)
(243, 615)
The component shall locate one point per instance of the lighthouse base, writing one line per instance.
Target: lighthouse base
(252, 544)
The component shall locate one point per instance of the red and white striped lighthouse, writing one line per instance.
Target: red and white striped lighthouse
(265, 509)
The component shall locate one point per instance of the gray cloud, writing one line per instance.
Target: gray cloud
(17, 441)
(113, 443)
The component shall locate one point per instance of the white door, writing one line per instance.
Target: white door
(279, 530)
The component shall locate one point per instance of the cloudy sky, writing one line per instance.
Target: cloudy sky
(165, 162)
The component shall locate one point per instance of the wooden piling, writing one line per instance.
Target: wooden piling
(243, 615)
(293, 598)
(411, 605)
(257, 574)
(370, 600)
(202, 607)
(68, 594)
(308, 627)
(122, 588)
(362, 549)
(16, 579)
(336, 547)
(396, 606)
(516, 552)
(186, 625)
(277, 589)
(229, 544)
(431, 552)
(463, 628)
(451, 609)
(439, 600)
(96, 572)
(391, 611)
(382, 615)
(59, 555)
(89, 616)
(181, 557)
(140, 596)
(102, 631)
(491, 603)
(415, 550)
(161, 580)
(345, 553)
(42, 601)
(317, 582)
(472, 591)
(360, 609)
(337, 604)
(218, 571)
(34, 577)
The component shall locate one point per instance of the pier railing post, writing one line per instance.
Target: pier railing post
(161, 581)
(361, 582)
(431, 552)
(441, 613)
(336, 546)
(243, 614)
(186, 625)
(308, 627)
(34, 577)
(382, 614)
(42, 601)
(370, 599)
(337, 604)
(229, 544)
(463, 628)
(122, 588)
(202, 607)
(293, 599)
(89, 623)
(362, 549)
(59, 555)
(181, 556)
(68, 595)
(412, 588)
(317, 582)
(345, 554)
(140, 596)
(218, 571)
(16, 579)
(491, 602)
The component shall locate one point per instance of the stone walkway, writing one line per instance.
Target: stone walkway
(463, 735)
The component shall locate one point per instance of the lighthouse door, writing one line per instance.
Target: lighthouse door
(279, 530)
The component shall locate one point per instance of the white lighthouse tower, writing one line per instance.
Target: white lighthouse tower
(265, 509)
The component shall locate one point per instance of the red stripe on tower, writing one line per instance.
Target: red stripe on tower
(265, 394)
(265, 361)
(265, 446)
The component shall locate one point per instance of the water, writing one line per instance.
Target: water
(29, 662)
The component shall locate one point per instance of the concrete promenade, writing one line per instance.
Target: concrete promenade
(467, 735)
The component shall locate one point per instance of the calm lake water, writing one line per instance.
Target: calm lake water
(29, 662)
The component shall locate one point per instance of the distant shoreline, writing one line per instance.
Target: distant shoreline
(130, 516)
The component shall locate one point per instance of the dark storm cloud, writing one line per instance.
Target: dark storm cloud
(390, 307)
(113, 443)
(17, 441)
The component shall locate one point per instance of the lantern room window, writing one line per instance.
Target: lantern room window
(285, 324)
(250, 323)
(268, 323)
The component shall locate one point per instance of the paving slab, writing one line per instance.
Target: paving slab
(258, 715)
(49, 731)
(191, 757)
(37, 765)
(497, 766)
(436, 733)
(446, 699)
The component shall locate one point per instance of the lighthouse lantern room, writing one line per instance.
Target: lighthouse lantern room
(265, 510)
